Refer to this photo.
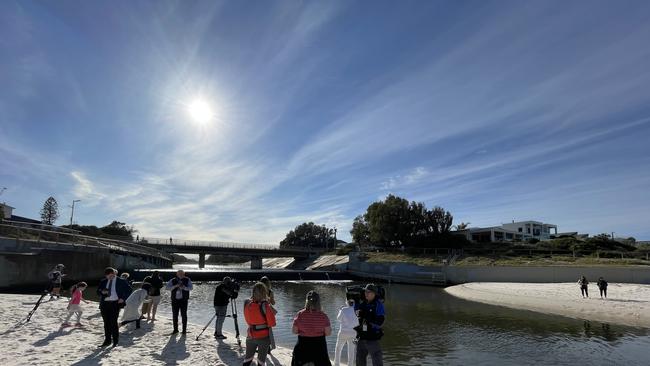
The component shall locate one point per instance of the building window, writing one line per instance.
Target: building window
(521, 230)
(528, 230)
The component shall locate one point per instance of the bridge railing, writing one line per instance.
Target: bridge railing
(46, 238)
(218, 244)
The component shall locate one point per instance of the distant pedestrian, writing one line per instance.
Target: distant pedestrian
(311, 325)
(224, 291)
(113, 292)
(180, 287)
(157, 283)
(260, 319)
(602, 286)
(74, 305)
(134, 304)
(170, 240)
(583, 283)
(347, 335)
(56, 279)
(371, 315)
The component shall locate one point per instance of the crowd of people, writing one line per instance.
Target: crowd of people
(360, 322)
(584, 286)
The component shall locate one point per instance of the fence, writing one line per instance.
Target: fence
(47, 238)
(220, 244)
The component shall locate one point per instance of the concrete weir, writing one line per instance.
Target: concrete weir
(26, 263)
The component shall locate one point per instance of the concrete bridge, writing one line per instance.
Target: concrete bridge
(255, 251)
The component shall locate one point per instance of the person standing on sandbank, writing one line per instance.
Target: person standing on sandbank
(602, 286)
(371, 315)
(180, 286)
(113, 292)
(584, 287)
(156, 283)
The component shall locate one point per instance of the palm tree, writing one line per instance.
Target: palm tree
(462, 226)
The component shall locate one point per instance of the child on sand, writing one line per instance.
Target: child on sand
(74, 306)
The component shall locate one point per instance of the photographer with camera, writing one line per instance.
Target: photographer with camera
(227, 289)
(56, 278)
(371, 315)
(180, 287)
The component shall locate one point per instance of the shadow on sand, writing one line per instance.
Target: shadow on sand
(174, 351)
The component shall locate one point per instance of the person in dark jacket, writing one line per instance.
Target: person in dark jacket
(113, 292)
(156, 283)
(584, 289)
(371, 315)
(224, 291)
(602, 286)
(180, 287)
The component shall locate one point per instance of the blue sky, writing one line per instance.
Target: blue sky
(494, 110)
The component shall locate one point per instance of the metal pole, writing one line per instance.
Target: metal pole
(72, 213)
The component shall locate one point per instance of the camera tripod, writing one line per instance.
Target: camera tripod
(233, 310)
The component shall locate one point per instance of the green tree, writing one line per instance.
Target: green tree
(360, 231)
(396, 222)
(309, 235)
(117, 228)
(50, 211)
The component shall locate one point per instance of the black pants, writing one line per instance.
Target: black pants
(603, 291)
(110, 312)
(137, 323)
(179, 305)
(584, 291)
(372, 348)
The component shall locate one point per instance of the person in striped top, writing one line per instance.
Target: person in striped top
(311, 325)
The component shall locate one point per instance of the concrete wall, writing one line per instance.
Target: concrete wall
(410, 273)
(22, 266)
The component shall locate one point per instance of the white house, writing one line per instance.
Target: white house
(515, 231)
(532, 229)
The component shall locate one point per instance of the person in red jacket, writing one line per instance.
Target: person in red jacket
(260, 319)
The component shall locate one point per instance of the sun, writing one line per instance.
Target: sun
(200, 111)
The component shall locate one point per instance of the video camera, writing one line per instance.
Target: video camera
(357, 293)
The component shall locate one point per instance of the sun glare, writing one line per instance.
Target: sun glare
(200, 111)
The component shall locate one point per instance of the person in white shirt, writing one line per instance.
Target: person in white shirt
(347, 320)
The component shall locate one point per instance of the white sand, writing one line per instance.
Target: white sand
(627, 304)
(43, 342)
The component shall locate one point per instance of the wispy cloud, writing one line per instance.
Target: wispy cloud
(511, 110)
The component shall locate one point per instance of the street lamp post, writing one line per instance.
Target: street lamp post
(72, 213)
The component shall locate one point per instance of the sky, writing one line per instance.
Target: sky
(494, 110)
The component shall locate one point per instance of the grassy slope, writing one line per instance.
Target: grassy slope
(425, 260)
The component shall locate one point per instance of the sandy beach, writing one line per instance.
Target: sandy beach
(627, 304)
(43, 341)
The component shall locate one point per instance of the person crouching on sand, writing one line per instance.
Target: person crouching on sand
(134, 304)
(74, 305)
(602, 286)
(260, 318)
(583, 286)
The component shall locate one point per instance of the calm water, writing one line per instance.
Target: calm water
(426, 326)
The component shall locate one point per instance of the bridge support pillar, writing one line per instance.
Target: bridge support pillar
(201, 260)
(256, 263)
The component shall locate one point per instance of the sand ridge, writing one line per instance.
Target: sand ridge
(627, 304)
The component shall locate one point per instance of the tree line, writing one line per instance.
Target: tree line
(392, 222)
